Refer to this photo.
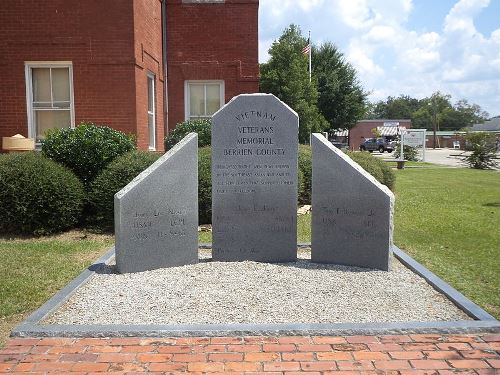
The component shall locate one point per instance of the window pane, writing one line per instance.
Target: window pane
(60, 84)
(213, 99)
(61, 105)
(41, 85)
(151, 103)
(196, 100)
(45, 120)
(151, 130)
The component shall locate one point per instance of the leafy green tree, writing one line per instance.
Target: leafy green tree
(286, 76)
(483, 147)
(436, 109)
(422, 118)
(401, 107)
(342, 100)
(470, 113)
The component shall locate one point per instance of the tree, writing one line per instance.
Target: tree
(470, 113)
(483, 147)
(401, 107)
(424, 113)
(286, 76)
(342, 100)
(422, 118)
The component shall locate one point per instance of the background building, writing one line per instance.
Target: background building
(363, 130)
(139, 66)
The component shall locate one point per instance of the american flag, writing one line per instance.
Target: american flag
(307, 49)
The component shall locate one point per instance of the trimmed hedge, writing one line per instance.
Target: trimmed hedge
(376, 167)
(37, 195)
(305, 174)
(110, 181)
(86, 149)
(202, 127)
(205, 185)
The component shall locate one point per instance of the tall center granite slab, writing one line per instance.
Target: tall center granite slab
(254, 180)
(352, 213)
(156, 214)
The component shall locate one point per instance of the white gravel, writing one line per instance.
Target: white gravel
(250, 292)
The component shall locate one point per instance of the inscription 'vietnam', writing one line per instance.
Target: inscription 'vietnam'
(254, 180)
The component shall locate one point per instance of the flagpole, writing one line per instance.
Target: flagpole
(310, 57)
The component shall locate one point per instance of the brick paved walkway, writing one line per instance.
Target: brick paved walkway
(401, 355)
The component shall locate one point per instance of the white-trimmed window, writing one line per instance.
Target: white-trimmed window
(203, 98)
(49, 97)
(151, 112)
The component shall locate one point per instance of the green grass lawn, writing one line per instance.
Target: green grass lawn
(32, 270)
(448, 219)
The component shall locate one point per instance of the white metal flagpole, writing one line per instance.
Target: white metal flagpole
(310, 57)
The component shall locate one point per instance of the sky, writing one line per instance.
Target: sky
(410, 47)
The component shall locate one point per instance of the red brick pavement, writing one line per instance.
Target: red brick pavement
(354, 355)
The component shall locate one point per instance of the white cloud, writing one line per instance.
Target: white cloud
(364, 64)
(461, 16)
(355, 13)
(391, 58)
(381, 34)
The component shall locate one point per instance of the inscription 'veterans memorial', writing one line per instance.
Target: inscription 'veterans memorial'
(156, 215)
(352, 212)
(254, 180)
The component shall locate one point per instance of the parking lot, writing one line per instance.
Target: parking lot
(441, 156)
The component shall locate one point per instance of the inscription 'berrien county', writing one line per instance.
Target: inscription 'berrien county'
(254, 180)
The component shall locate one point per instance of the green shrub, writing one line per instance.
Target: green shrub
(376, 167)
(111, 180)
(37, 195)
(305, 174)
(410, 153)
(86, 149)
(205, 185)
(483, 147)
(202, 127)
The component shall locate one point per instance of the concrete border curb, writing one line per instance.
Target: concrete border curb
(483, 322)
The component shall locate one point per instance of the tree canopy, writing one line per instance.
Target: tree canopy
(334, 99)
(285, 75)
(341, 97)
(424, 112)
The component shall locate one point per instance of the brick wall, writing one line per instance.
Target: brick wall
(148, 59)
(102, 54)
(214, 41)
(114, 44)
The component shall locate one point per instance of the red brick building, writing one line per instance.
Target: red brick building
(363, 130)
(139, 66)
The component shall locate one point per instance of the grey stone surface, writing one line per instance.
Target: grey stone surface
(351, 211)
(32, 327)
(156, 214)
(254, 180)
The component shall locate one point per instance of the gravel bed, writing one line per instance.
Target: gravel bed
(249, 292)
